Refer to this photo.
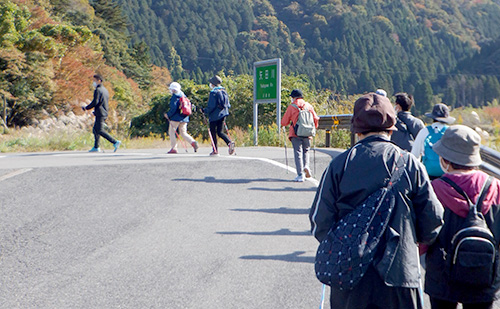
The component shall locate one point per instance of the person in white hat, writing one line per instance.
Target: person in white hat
(177, 120)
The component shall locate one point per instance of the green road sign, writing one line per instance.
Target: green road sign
(266, 82)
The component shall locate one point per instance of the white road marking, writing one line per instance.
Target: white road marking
(15, 173)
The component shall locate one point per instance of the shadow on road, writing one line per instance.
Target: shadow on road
(294, 257)
(282, 232)
(290, 189)
(281, 210)
(211, 179)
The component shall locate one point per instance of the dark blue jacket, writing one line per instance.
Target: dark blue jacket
(100, 102)
(213, 110)
(174, 113)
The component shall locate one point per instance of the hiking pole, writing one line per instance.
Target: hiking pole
(209, 133)
(314, 152)
(286, 151)
(322, 297)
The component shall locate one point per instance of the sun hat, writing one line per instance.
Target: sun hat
(215, 80)
(296, 93)
(175, 86)
(373, 113)
(441, 113)
(382, 92)
(460, 145)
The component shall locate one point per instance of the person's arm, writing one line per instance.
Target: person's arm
(211, 105)
(97, 98)
(323, 213)
(428, 209)
(287, 117)
(174, 106)
(315, 116)
(418, 145)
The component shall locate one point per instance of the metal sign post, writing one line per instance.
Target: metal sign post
(266, 89)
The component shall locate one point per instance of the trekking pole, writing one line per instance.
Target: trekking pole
(322, 297)
(314, 152)
(209, 133)
(286, 151)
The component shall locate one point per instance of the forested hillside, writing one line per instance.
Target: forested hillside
(430, 48)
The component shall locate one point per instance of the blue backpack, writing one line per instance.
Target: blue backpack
(430, 159)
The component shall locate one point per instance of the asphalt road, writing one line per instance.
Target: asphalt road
(143, 229)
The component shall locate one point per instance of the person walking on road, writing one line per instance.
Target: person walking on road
(459, 157)
(428, 136)
(301, 144)
(408, 126)
(178, 121)
(217, 110)
(100, 105)
(392, 279)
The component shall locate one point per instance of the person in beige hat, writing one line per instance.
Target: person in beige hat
(459, 156)
(393, 279)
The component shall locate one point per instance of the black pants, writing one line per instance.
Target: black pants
(216, 128)
(98, 131)
(443, 304)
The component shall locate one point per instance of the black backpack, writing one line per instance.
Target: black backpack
(472, 255)
(349, 248)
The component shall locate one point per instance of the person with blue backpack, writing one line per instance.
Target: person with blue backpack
(217, 110)
(428, 136)
(391, 279)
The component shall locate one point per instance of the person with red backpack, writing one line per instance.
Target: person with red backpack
(178, 120)
(301, 132)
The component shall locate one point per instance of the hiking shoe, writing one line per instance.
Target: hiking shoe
(307, 172)
(232, 147)
(95, 149)
(299, 178)
(195, 146)
(214, 154)
(172, 151)
(117, 145)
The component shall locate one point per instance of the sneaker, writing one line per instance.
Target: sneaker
(172, 151)
(307, 172)
(214, 153)
(117, 145)
(195, 146)
(232, 147)
(299, 178)
(95, 149)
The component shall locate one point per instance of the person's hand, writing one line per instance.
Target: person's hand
(165, 115)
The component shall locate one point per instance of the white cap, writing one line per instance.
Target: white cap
(381, 92)
(175, 86)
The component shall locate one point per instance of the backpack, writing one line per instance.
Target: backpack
(222, 99)
(305, 126)
(349, 248)
(430, 159)
(185, 106)
(472, 255)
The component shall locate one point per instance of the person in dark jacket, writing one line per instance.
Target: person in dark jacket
(408, 126)
(178, 121)
(393, 279)
(100, 106)
(458, 151)
(217, 110)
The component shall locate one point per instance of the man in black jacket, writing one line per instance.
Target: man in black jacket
(100, 106)
(393, 278)
(408, 126)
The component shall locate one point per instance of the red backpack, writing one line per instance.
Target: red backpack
(185, 106)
